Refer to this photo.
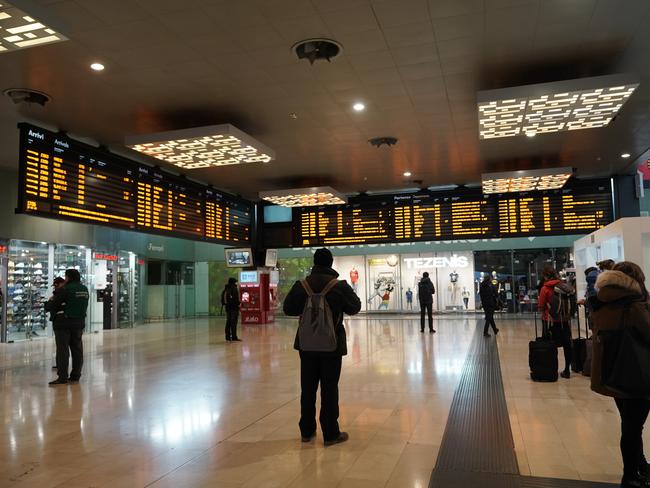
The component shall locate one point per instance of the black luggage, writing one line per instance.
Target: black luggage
(542, 358)
(586, 368)
(579, 350)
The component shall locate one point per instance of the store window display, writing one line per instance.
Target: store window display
(383, 280)
(28, 286)
(455, 276)
(352, 269)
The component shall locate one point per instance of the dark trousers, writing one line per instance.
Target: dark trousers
(489, 321)
(231, 324)
(428, 307)
(68, 342)
(316, 369)
(634, 412)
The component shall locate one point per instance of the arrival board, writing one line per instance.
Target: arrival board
(447, 216)
(65, 179)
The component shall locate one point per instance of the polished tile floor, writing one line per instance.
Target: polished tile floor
(173, 405)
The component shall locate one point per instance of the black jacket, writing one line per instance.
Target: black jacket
(488, 296)
(426, 291)
(341, 299)
(231, 297)
(55, 313)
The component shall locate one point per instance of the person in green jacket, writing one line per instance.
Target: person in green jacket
(72, 300)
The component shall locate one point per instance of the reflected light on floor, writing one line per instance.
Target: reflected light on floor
(179, 425)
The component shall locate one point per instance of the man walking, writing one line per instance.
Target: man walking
(426, 291)
(72, 300)
(322, 367)
(230, 299)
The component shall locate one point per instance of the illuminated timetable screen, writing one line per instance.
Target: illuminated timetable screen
(460, 215)
(65, 179)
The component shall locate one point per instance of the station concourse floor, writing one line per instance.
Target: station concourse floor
(173, 405)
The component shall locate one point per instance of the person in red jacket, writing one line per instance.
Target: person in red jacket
(555, 307)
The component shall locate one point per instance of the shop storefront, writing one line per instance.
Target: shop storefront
(28, 268)
(388, 282)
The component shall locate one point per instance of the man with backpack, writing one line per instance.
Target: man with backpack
(426, 290)
(555, 306)
(321, 300)
(230, 300)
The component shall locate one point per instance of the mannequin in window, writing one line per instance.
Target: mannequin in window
(465, 294)
(453, 287)
(354, 278)
(409, 299)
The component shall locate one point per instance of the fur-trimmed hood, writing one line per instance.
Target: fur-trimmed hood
(615, 285)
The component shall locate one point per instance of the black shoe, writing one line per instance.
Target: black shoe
(236, 339)
(58, 382)
(432, 331)
(486, 334)
(73, 380)
(421, 331)
(565, 374)
(343, 436)
(496, 331)
(637, 482)
(308, 438)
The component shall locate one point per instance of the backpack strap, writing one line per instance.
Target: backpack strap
(329, 286)
(307, 288)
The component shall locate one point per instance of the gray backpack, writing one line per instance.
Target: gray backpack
(316, 329)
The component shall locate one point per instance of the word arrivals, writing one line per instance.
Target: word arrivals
(438, 262)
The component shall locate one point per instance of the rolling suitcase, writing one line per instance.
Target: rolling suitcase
(542, 358)
(579, 350)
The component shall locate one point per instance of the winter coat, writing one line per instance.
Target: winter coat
(546, 295)
(341, 299)
(488, 296)
(231, 297)
(426, 291)
(617, 294)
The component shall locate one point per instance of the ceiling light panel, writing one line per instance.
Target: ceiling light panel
(526, 180)
(305, 197)
(584, 103)
(19, 30)
(202, 147)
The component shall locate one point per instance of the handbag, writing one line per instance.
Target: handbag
(625, 362)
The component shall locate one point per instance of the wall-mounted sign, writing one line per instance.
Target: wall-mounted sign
(155, 248)
(104, 257)
(248, 276)
(437, 262)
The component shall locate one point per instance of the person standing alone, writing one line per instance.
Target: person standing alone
(230, 299)
(426, 290)
(318, 364)
(489, 303)
(72, 300)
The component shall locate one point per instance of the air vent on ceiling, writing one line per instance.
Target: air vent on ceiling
(317, 50)
(26, 95)
(380, 141)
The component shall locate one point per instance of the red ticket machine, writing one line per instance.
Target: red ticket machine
(255, 297)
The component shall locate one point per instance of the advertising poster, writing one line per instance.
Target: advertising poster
(383, 283)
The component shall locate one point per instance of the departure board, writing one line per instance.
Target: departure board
(430, 216)
(66, 179)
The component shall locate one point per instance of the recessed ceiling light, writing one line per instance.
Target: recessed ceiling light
(24, 30)
(305, 197)
(583, 103)
(625, 155)
(407, 173)
(202, 147)
(525, 180)
(97, 66)
(359, 107)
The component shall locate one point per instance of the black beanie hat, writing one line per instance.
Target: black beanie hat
(323, 257)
